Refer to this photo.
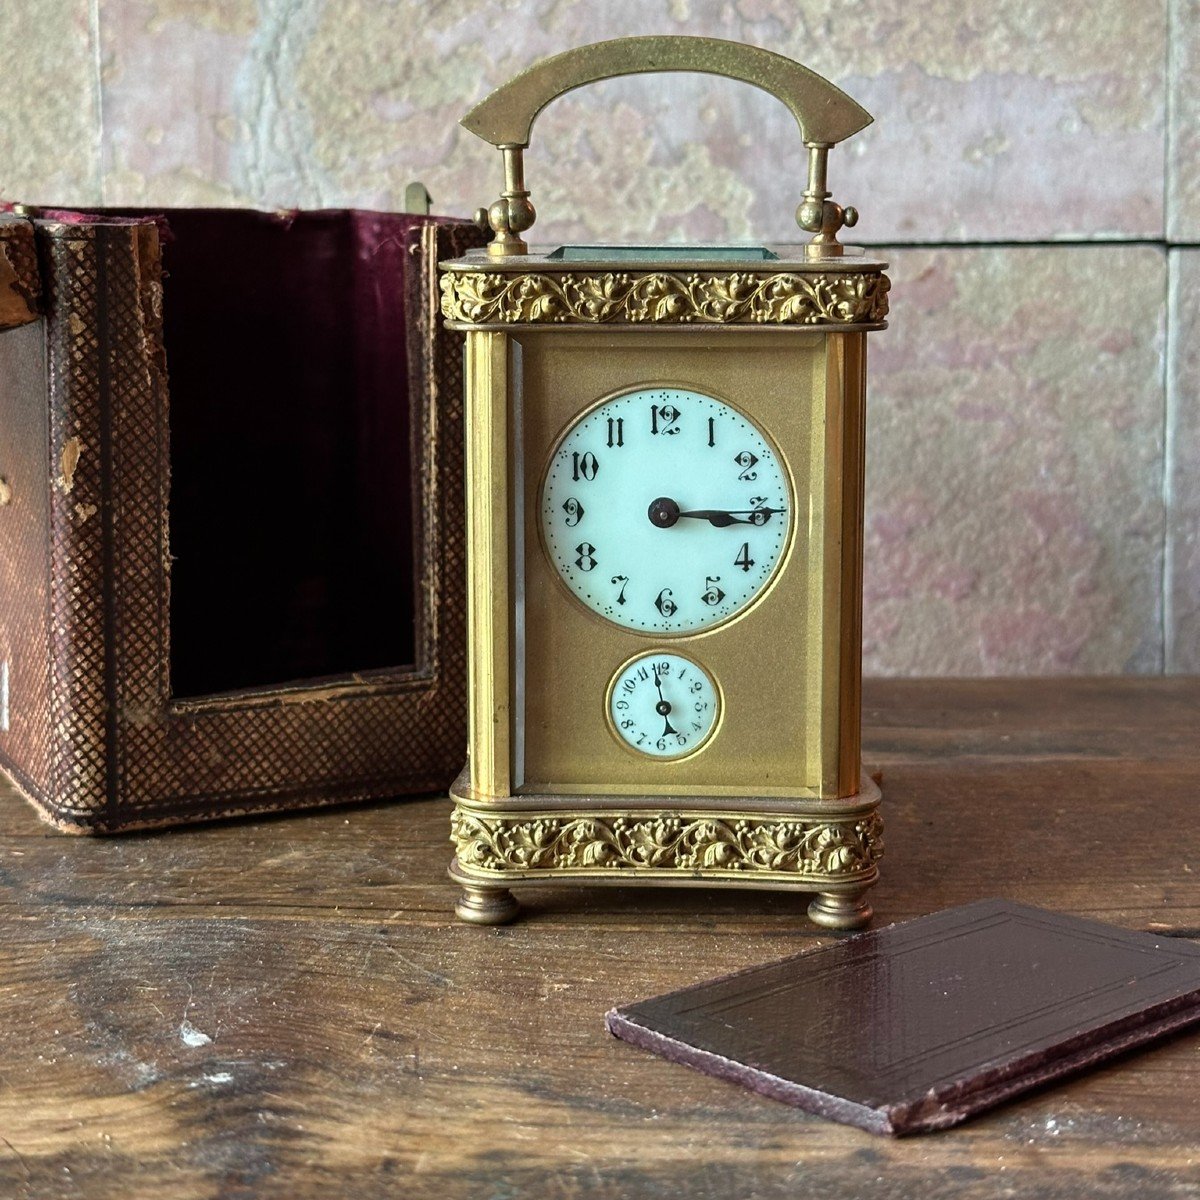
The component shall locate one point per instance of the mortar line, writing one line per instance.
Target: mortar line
(1172, 66)
(1154, 243)
(1166, 558)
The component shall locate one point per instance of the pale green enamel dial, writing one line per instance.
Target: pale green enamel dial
(664, 705)
(665, 511)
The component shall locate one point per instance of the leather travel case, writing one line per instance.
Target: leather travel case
(231, 514)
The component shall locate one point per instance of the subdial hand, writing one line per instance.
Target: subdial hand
(663, 707)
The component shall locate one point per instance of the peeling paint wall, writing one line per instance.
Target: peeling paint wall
(1030, 507)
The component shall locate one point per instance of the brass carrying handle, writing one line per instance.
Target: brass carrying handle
(824, 113)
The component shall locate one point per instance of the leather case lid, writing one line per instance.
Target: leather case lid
(917, 1026)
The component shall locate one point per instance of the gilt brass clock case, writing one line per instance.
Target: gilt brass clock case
(556, 789)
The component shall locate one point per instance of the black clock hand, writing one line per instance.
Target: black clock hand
(664, 513)
(663, 707)
(721, 519)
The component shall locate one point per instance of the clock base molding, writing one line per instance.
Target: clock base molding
(830, 847)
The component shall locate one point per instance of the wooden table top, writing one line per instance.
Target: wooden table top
(286, 1007)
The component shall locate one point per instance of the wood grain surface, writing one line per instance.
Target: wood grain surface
(286, 1007)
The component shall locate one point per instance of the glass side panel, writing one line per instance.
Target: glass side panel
(673, 253)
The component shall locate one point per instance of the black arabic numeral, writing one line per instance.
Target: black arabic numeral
(665, 604)
(584, 466)
(574, 511)
(712, 431)
(712, 594)
(623, 580)
(616, 432)
(761, 514)
(663, 418)
(587, 556)
(747, 462)
(743, 559)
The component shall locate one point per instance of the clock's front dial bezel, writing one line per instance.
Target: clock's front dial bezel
(764, 588)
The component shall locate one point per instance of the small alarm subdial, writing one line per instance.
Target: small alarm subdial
(663, 705)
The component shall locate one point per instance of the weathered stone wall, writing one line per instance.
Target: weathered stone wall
(1034, 498)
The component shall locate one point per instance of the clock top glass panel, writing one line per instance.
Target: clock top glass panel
(665, 510)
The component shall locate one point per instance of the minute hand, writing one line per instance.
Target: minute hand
(721, 518)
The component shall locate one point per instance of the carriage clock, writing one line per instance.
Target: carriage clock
(665, 514)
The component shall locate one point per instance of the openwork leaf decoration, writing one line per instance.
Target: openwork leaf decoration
(723, 298)
(648, 843)
(532, 843)
(593, 296)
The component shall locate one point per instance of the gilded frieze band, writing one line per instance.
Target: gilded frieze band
(823, 849)
(857, 298)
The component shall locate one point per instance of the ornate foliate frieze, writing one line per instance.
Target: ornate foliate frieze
(662, 298)
(820, 849)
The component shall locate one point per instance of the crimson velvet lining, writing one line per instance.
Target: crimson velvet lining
(292, 480)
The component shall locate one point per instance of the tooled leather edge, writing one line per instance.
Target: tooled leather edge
(73, 264)
(20, 280)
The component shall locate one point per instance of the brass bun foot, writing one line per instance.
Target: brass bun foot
(833, 910)
(486, 905)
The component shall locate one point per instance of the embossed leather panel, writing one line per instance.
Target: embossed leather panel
(918, 1025)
